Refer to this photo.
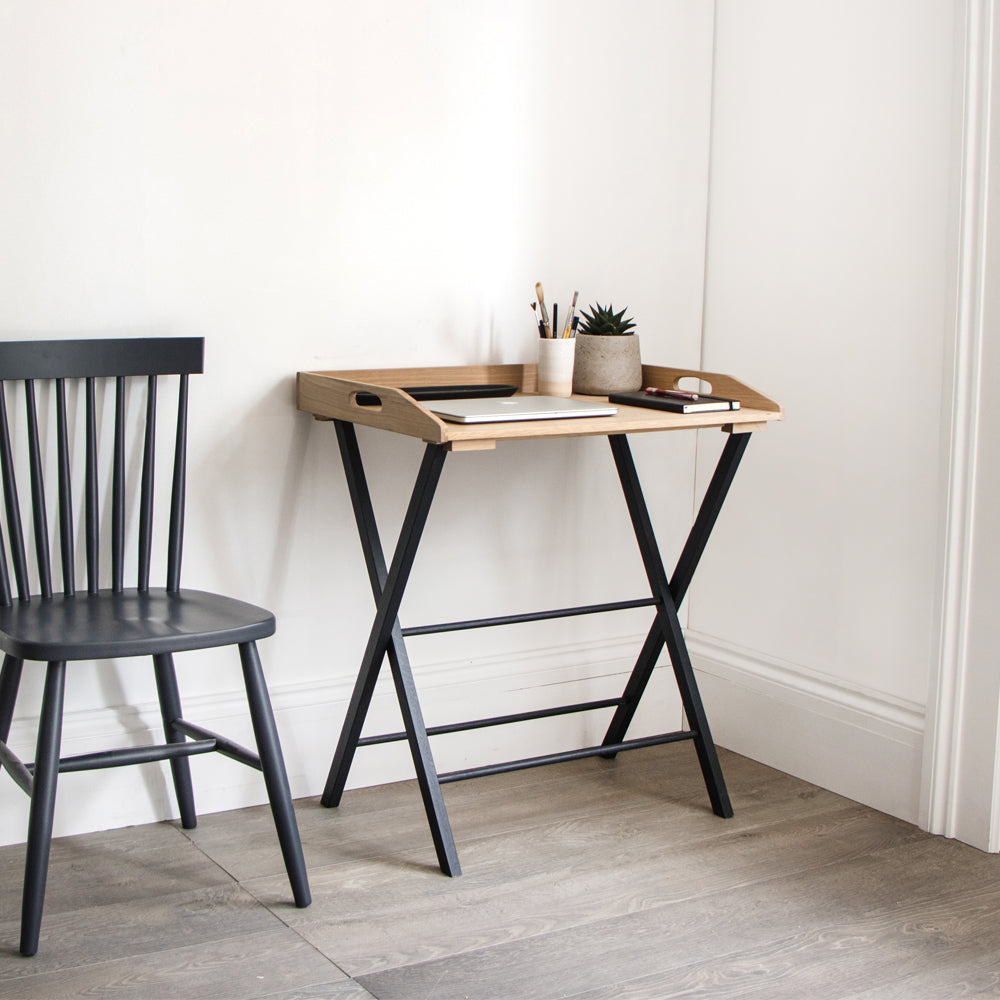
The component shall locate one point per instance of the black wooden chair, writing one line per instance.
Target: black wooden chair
(103, 618)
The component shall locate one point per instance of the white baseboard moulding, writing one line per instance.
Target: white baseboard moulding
(859, 743)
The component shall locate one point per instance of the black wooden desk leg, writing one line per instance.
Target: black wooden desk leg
(371, 547)
(669, 627)
(386, 639)
(708, 513)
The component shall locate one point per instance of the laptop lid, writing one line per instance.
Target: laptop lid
(487, 411)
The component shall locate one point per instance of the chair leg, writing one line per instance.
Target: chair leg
(275, 776)
(43, 800)
(10, 681)
(170, 709)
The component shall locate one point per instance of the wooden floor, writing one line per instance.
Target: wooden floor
(592, 880)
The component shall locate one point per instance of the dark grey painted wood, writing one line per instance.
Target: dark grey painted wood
(89, 358)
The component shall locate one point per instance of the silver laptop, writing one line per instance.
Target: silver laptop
(488, 411)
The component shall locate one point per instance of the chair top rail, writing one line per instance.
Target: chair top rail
(102, 366)
(96, 358)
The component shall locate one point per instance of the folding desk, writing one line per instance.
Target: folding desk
(333, 395)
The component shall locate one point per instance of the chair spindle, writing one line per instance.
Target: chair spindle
(66, 533)
(175, 542)
(15, 535)
(146, 488)
(118, 492)
(91, 511)
(37, 479)
(4, 578)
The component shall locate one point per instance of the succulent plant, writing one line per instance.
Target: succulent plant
(605, 322)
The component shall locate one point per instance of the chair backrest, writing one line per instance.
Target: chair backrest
(92, 369)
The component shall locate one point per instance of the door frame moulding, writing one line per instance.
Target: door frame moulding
(958, 787)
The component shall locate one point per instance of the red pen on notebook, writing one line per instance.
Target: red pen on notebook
(673, 394)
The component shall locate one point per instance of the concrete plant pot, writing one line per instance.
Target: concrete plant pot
(606, 364)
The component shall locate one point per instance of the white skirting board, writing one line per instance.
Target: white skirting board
(855, 742)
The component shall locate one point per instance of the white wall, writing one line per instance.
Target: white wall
(771, 186)
(831, 280)
(335, 185)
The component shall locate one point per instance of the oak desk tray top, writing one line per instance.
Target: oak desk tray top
(332, 395)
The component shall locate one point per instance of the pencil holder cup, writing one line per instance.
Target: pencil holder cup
(555, 366)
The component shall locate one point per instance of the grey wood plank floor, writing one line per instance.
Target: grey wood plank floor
(591, 880)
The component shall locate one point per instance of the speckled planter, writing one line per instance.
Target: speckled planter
(606, 364)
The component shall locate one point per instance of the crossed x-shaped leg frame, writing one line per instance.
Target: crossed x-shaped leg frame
(386, 638)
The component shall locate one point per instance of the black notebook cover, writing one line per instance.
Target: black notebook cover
(703, 404)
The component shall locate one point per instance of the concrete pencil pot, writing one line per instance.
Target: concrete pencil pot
(607, 354)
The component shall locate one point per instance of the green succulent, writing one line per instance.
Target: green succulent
(605, 322)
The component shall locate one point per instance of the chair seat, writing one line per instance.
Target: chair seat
(127, 623)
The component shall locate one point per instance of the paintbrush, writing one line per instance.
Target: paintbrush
(541, 329)
(569, 317)
(541, 305)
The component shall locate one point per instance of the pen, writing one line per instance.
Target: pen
(555, 318)
(672, 393)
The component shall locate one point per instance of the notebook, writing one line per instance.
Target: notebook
(703, 403)
(487, 411)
